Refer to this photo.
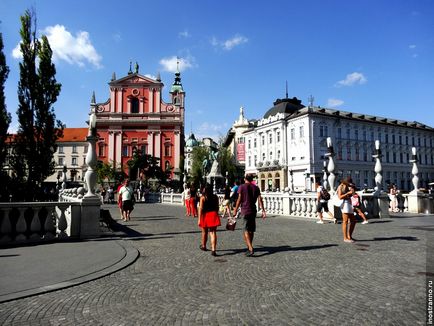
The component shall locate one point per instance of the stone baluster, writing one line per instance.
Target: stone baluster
(378, 169)
(313, 211)
(414, 171)
(293, 205)
(5, 227)
(21, 226)
(291, 182)
(324, 177)
(331, 165)
(49, 227)
(35, 225)
(62, 223)
(308, 207)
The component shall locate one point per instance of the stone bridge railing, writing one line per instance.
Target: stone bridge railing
(300, 204)
(73, 217)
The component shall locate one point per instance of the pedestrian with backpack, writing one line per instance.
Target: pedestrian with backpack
(322, 198)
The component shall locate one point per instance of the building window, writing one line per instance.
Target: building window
(134, 105)
(393, 139)
(60, 162)
(85, 148)
(271, 156)
(348, 152)
(74, 161)
(263, 157)
(254, 143)
(348, 133)
(61, 149)
(365, 137)
(263, 140)
(387, 138)
(394, 157)
(74, 148)
(356, 134)
(292, 133)
(100, 149)
(339, 133)
(248, 144)
(143, 149)
(278, 136)
(167, 150)
(250, 160)
(255, 160)
(357, 153)
(401, 158)
(270, 138)
(125, 150)
(278, 155)
(301, 131)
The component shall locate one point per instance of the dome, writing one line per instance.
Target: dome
(191, 141)
(286, 105)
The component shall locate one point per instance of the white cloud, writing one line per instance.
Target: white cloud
(334, 102)
(199, 112)
(151, 76)
(213, 130)
(117, 37)
(184, 34)
(170, 64)
(412, 46)
(355, 78)
(76, 50)
(229, 44)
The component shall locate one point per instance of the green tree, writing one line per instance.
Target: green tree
(5, 116)
(149, 167)
(226, 163)
(38, 129)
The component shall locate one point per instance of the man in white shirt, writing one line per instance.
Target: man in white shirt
(127, 195)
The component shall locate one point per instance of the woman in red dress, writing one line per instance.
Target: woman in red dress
(209, 218)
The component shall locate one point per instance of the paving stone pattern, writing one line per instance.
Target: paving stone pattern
(302, 274)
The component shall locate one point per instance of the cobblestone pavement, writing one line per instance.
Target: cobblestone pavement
(302, 274)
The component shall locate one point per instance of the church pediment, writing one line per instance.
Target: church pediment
(134, 79)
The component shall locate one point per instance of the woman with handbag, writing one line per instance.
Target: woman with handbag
(345, 192)
(209, 218)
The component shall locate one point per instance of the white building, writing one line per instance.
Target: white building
(291, 140)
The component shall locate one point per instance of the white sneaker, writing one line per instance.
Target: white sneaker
(320, 222)
(365, 222)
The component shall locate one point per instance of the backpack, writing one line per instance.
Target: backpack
(324, 194)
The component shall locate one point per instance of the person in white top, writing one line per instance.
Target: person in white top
(345, 192)
(126, 194)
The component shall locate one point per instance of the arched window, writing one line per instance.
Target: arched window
(134, 105)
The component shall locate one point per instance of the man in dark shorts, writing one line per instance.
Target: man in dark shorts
(248, 194)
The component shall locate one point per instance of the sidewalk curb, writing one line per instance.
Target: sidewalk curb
(130, 256)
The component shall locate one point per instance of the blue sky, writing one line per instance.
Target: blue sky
(374, 57)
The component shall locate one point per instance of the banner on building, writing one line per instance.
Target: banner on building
(241, 152)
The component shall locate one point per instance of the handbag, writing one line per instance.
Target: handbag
(230, 224)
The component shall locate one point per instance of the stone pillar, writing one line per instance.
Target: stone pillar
(378, 169)
(324, 178)
(414, 197)
(331, 165)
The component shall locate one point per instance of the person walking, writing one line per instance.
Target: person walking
(227, 202)
(345, 192)
(322, 198)
(186, 196)
(248, 195)
(392, 196)
(193, 201)
(126, 193)
(209, 218)
(355, 201)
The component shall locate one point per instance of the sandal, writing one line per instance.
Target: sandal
(202, 248)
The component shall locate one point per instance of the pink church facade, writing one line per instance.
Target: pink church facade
(135, 118)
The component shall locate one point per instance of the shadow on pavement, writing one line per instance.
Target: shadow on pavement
(264, 251)
(406, 238)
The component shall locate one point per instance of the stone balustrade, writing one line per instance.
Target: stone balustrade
(301, 204)
(37, 222)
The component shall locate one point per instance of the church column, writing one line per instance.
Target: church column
(112, 99)
(119, 104)
(151, 100)
(151, 143)
(158, 100)
(111, 146)
(158, 146)
(118, 149)
(142, 104)
(176, 149)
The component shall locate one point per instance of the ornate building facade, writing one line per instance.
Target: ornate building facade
(135, 118)
(289, 143)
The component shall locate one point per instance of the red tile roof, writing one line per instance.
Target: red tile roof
(74, 135)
